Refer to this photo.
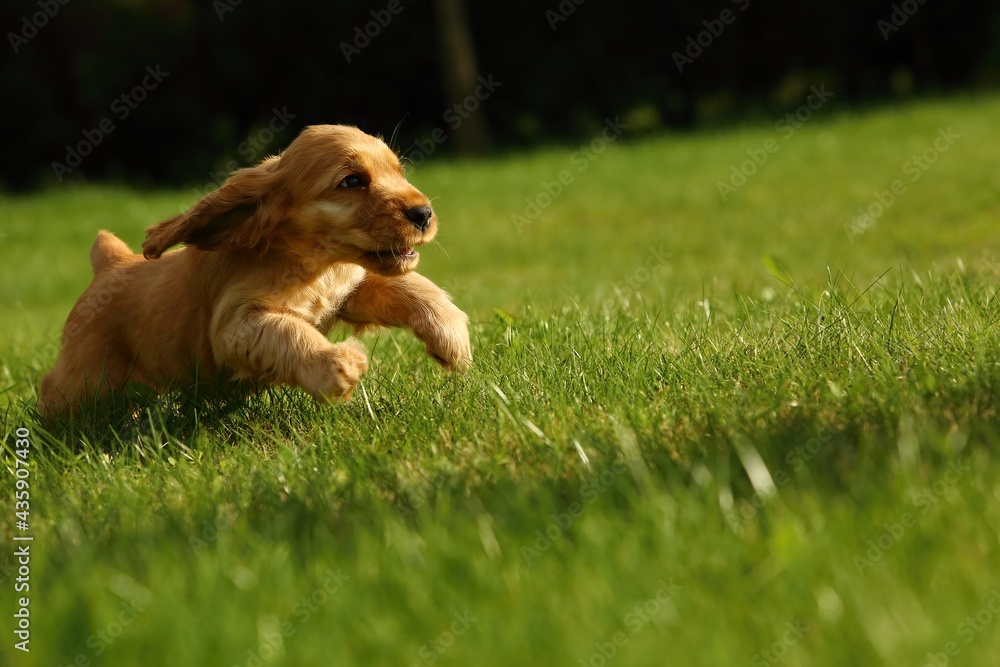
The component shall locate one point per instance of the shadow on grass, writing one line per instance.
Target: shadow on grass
(142, 416)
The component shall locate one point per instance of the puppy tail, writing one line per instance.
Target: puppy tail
(107, 251)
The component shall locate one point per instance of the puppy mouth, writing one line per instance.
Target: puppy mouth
(391, 262)
(394, 254)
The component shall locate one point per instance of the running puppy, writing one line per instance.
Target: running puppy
(323, 233)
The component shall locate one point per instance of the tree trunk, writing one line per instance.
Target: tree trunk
(460, 71)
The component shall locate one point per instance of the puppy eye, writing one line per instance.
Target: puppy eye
(352, 181)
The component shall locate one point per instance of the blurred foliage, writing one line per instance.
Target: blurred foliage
(562, 68)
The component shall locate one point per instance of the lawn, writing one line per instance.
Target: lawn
(706, 425)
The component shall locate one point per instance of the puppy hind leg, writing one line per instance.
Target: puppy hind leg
(54, 395)
(69, 385)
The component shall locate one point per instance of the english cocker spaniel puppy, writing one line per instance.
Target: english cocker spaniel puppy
(325, 232)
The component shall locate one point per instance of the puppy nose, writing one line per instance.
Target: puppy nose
(420, 216)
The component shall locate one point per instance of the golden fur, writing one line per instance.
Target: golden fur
(273, 259)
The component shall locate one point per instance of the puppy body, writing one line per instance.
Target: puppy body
(274, 258)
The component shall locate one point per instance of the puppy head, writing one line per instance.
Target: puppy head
(335, 194)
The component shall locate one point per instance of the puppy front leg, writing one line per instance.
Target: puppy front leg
(413, 302)
(279, 348)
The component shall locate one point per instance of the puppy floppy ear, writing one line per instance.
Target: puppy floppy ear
(240, 214)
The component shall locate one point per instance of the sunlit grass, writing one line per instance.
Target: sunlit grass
(697, 431)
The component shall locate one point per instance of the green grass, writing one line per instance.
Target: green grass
(697, 431)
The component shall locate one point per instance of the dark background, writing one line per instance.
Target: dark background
(231, 64)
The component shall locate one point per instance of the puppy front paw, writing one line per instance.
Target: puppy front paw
(337, 372)
(447, 340)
